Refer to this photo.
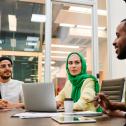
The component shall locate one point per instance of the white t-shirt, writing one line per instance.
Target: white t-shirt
(12, 90)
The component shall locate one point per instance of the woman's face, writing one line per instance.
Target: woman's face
(74, 64)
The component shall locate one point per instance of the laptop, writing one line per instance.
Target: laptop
(39, 97)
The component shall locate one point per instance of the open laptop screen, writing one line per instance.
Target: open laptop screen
(39, 97)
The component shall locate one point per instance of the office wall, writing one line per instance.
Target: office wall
(116, 12)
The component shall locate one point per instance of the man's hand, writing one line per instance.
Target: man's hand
(103, 101)
(11, 105)
(3, 104)
(116, 113)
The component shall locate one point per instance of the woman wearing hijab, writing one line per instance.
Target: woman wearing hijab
(80, 86)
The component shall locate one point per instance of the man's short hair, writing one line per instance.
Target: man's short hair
(124, 0)
(124, 20)
(5, 58)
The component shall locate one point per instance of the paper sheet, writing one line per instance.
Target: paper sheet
(34, 115)
(46, 114)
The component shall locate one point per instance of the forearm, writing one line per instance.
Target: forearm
(117, 113)
(83, 105)
(60, 96)
(3, 104)
(78, 106)
(118, 106)
(11, 105)
(19, 105)
(60, 99)
(64, 93)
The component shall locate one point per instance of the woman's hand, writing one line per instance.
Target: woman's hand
(59, 104)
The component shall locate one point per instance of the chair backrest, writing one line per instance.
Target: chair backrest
(113, 88)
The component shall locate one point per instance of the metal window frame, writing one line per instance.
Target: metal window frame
(48, 35)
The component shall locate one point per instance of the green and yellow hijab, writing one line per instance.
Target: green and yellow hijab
(77, 81)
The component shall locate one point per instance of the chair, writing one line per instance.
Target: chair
(114, 88)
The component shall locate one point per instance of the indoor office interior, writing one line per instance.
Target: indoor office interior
(35, 34)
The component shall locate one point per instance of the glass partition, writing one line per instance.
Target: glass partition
(102, 41)
(22, 37)
(71, 31)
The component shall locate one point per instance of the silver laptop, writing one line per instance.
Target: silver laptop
(39, 97)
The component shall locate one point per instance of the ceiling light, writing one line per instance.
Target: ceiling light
(30, 58)
(102, 12)
(52, 62)
(31, 43)
(59, 57)
(13, 42)
(28, 49)
(1, 42)
(38, 18)
(85, 32)
(89, 27)
(33, 75)
(79, 9)
(86, 10)
(12, 22)
(52, 67)
(80, 26)
(27, 79)
(64, 46)
(32, 38)
(58, 52)
(67, 25)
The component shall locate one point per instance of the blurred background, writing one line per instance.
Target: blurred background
(22, 37)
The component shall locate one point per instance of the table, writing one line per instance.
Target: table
(7, 120)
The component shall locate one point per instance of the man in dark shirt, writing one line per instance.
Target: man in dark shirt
(116, 108)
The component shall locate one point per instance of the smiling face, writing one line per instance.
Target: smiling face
(5, 70)
(74, 64)
(120, 41)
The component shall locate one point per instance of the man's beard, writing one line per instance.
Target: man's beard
(5, 77)
(122, 54)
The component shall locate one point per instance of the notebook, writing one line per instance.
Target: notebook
(39, 97)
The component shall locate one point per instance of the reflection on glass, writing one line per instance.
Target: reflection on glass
(71, 31)
(69, 34)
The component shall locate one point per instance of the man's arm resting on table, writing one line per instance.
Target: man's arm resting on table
(11, 105)
(118, 106)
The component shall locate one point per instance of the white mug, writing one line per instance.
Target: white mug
(68, 105)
